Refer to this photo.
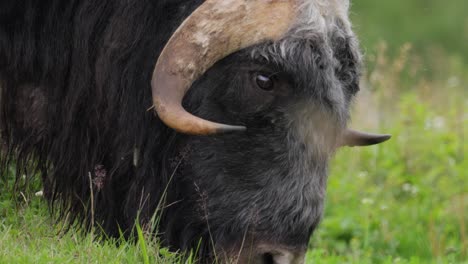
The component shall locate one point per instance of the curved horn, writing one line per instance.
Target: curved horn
(214, 30)
(353, 138)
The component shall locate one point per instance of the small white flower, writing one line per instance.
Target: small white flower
(362, 174)
(453, 81)
(452, 162)
(407, 187)
(367, 201)
(438, 122)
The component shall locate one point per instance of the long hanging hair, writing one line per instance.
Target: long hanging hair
(74, 99)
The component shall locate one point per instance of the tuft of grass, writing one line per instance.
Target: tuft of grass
(142, 243)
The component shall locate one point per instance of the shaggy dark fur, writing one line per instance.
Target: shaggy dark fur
(75, 93)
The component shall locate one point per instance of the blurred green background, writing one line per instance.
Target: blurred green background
(427, 24)
(405, 201)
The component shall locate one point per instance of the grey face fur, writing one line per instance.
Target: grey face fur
(322, 53)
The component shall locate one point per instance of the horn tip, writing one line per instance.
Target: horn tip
(355, 138)
(228, 129)
(378, 139)
(386, 137)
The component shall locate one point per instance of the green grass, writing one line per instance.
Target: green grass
(29, 235)
(405, 200)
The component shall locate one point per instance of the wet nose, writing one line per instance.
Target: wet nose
(275, 256)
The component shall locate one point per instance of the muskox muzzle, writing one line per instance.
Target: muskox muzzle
(266, 254)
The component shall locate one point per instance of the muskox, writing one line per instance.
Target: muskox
(251, 98)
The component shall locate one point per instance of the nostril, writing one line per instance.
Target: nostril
(267, 258)
(273, 255)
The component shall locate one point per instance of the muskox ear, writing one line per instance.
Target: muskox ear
(353, 138)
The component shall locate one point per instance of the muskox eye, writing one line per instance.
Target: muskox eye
(264, 82)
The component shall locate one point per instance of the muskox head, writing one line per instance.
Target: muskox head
(282, 74)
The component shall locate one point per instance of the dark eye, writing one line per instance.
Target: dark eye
(264, 82)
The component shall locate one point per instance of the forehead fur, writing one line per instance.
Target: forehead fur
(321, 38)
(323, 16)
(321, 19)
(322, 56)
